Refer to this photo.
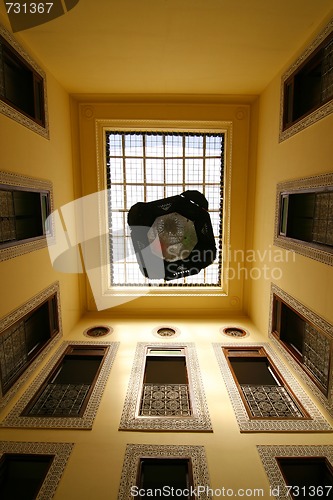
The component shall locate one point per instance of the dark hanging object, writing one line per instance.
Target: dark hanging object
(172, 237)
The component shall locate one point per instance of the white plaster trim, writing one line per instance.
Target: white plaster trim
(136, 451)
(61, 452)
(268, 456)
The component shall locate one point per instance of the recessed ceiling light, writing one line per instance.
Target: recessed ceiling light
(98, 331)
(235, 332)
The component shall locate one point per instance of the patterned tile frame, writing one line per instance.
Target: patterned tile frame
(18, 180)
(135, 451)
(317, 423)
(15, 316)
(14, 419)
(318, 114)
(198, 421)
(61, 451)
(312, 251)
(268, 453)
(316, 321)
(13, 113)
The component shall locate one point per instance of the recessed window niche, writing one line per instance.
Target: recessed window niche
(187, 464)
(25, 204)
(306, 341)
(27, 334)
(306, 417)
(304, 217)
(307, 86)
(22, 86)
(298, 471)
(32, 470)
(47, 401)
(165, 391)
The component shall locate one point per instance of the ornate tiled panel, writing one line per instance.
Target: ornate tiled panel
(57, 399)
(317, 354)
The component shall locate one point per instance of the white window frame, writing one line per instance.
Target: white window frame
(21, 247)
(99, 278)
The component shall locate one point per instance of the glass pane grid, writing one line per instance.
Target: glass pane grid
(144, 167)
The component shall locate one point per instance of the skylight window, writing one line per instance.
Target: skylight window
(148, 166)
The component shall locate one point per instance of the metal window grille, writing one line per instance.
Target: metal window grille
(327, 73)
(165, 400)
(323, 219)
(7, 217)
(270, 401)
(63, 400)
(146, 166)
(316, 355)
(13, 353)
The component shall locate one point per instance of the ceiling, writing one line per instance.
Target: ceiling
(173, 47)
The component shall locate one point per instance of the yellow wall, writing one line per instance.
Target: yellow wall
(238, 114)
(26, 152)
(305, 154)
(94, 468)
